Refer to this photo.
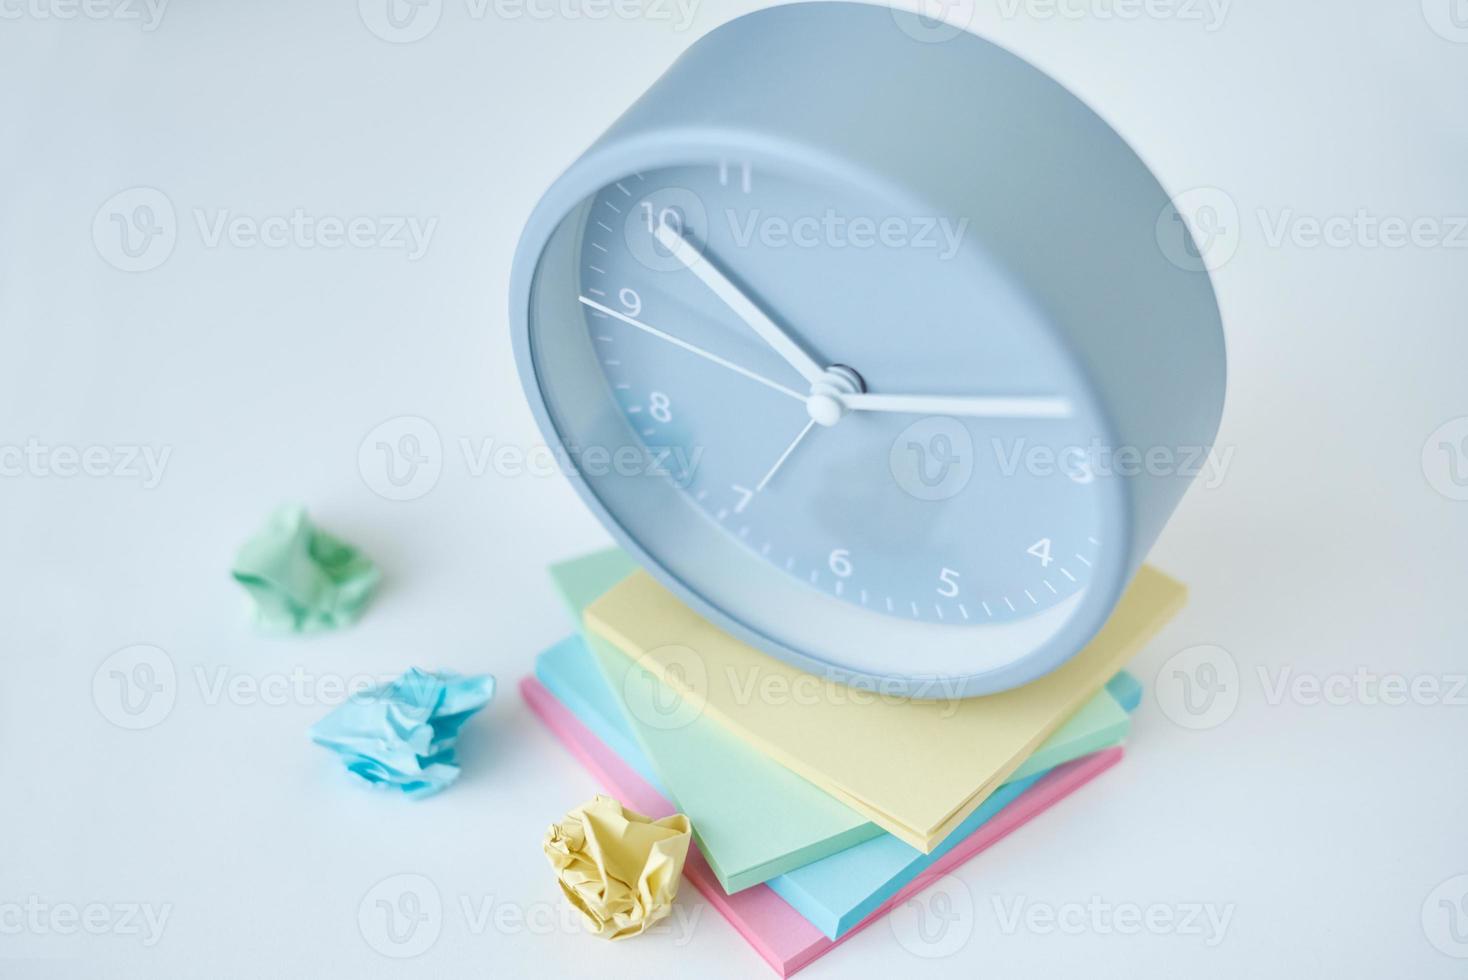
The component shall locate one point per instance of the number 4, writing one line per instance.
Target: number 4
(1041, 550)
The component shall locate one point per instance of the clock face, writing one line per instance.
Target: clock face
(974, 502)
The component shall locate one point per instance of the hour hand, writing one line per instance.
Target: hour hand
(993, 406)
(744, 307)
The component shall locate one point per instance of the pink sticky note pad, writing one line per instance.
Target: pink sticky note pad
(776, 931)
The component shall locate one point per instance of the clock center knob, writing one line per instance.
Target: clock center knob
(824, 404)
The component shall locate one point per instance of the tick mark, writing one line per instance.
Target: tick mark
(1067, 574)
(597, 269)
(840, 586)
(612, 206)
(938, 609)
(1009, 604)
(598, 245)
(1049, 586)
(987, 611)
(624, 190)
(1032, 599)
(962, 611)
(1083, 560)
(914, 611)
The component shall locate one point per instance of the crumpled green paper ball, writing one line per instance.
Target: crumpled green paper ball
(301, 579)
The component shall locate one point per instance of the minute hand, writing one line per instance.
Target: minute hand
(744, 307)
(1015, 407)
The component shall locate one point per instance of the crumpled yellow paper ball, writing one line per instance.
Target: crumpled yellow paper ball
(618, 868)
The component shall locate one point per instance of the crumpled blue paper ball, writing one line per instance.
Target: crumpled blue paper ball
(403, 734)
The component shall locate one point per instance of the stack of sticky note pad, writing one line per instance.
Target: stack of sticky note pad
(817, 808)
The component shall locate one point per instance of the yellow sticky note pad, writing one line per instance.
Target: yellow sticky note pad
(915, 768)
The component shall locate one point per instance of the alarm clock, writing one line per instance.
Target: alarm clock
(871, 343)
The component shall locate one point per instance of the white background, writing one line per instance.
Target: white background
(1332, 544)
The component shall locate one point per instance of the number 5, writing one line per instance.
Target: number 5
(948, 583)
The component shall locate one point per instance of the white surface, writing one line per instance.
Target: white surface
(1324, 549)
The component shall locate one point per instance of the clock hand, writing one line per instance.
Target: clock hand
(784, 456)
(743, 307)
(1014, 407)
(692, 349)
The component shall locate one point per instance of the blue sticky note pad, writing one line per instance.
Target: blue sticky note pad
(569, 673)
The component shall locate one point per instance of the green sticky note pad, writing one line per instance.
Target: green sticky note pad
(754, 818)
